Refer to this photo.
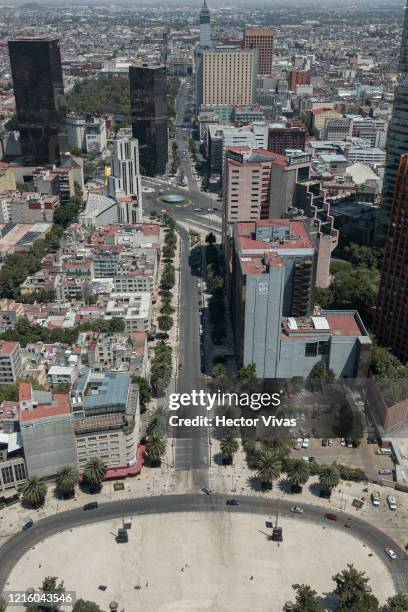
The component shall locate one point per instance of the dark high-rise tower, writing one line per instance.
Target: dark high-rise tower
(397, 138)
(39, 94)
(205, 26)
(148, 90)
(391, 323)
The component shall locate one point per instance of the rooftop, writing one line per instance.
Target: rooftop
(246, 232)
(59, 406)
(335, 324)
(108, 389)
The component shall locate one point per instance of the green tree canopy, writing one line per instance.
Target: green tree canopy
(155, 448)
(94, 471)
(397, 603)
(268, 468)
(229, 446)
(66, 479)
(351, 590)
(298, 472)
(329, 476)
(34, 491)
(307, 600)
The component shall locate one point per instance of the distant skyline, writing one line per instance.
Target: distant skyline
(216, 4)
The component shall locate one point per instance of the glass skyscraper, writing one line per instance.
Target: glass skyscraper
(148, 100)
(39, 94)
(397, 139)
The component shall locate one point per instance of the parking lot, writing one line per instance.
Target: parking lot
(365, 456)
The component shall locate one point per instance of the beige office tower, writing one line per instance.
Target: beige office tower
(228, 76)
(261, 39)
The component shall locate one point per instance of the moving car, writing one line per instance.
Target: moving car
(198, 209)
(375, 498)
(385, 472)
(232, 502)
(180, 366)
(205, 490)
(91, 506)
(392, 502)
(28, 524)
(391, 553)
(330, 516)
(296, 510)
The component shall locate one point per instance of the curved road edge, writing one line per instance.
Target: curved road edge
(15, 548)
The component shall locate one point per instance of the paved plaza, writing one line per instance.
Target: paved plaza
(218, 562)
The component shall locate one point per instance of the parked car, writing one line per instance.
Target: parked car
(385, 471)
(91, 506)
(232, 502)
(330, 516)
(343, 442)
(391, 553)
(28, 524)
(315, 432)
(349, 444)
(384, 451)
(375, 498)
(324, 442)
(330, 442)
(297, 445)
(312, 460)
(392, 502)
(305, 443)
(206, 490)
(371, 440)
(296, 510)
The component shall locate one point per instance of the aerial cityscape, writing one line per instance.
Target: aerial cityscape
(204, 306)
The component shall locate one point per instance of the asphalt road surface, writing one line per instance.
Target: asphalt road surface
(192, 444)
(19, 544)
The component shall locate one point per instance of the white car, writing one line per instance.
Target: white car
(297, 445)
(305, 443)
(375, 498)
(329, 442)
(296, 510)
(391, 553)
(392, 502)
(343, 442)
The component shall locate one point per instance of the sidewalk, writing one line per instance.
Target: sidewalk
(150, 482)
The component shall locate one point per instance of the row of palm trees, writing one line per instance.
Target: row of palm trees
(34, 489)
(156, 437)
(270, 465)
(269, 468)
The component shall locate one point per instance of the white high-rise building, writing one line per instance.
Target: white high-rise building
(125, 179)
(76, 132)
(205, 26)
